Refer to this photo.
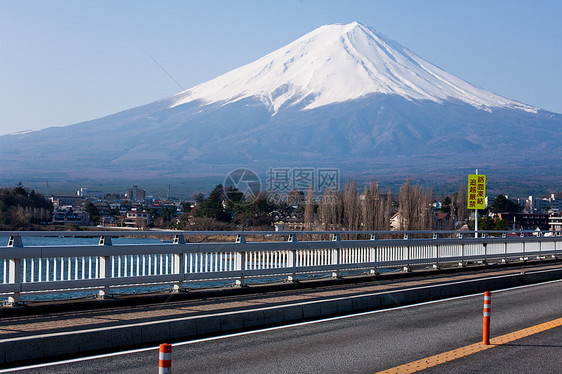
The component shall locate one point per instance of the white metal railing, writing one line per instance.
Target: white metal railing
(65, 268)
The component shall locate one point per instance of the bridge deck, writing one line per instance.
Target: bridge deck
(37, 319)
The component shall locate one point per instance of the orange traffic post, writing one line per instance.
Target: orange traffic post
(165, 359)
(486, 323)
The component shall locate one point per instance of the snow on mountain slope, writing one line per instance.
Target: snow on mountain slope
(341, 96)
(337, 63)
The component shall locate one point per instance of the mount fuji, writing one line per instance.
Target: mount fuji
(342, 95)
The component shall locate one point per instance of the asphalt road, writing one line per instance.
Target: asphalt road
(371, 342)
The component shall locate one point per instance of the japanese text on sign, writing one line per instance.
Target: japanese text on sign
(476, 191)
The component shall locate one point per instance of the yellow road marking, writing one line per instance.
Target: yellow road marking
(441, 358)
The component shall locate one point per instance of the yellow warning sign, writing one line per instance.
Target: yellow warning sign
(476, 191)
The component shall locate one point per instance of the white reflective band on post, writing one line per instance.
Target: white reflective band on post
(487, 298)
(486, 314)
(165, 356)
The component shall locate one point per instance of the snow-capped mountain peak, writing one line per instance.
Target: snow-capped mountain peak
(342, 96)
(336, 63)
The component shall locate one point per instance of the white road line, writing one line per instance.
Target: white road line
(265, 329)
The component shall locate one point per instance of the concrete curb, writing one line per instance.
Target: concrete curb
(49, 346)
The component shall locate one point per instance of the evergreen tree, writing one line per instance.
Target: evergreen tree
(213, 207)
(503, 205)
(93, 211)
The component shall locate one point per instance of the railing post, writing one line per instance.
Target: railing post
(436, 264)
(373, 257)
(461, 263)
(14, 270)
(336, 256)
(105, 240)
(179, 239)
(436, 253)
(407, 267)
(15, 241)
(524, 258)
(291, 258)
(178, 263)
(240, 261)
(104, 267)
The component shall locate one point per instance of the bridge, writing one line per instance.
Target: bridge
(109, 263)
(241, 257)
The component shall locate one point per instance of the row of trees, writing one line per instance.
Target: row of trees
(229, 210)
(349, 209)
(373, 209)
(19, 209)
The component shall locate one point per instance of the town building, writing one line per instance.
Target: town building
(396, 221)
(136, 194)
(70, 216)
(137, 217)
(555, 223)
(60, 201)
(552, 202)
(525, 221)
(104, 209)
(84, 192)
(442, 221)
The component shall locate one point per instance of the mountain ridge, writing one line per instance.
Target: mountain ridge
(297, 117)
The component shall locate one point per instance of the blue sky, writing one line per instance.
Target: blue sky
(64, 62)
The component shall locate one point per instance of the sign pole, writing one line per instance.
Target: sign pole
(476, 218)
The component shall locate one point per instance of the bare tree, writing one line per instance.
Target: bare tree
(415, 207)
(140, 223)
(406, 205)
(339, 211)
(327, 210)
(461, 204)
(309, 223)
(384, 224)
(428, 212)
(351, 208)
(372, 211)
